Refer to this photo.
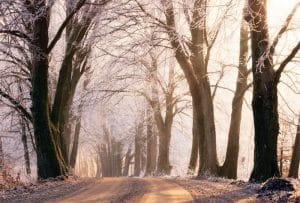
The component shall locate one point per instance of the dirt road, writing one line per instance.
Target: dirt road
(146, 190)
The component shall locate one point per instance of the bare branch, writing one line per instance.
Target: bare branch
(16, 105)
(17, 33)
(150, 15)
(64, 24)
(284, 28)
(286, 61)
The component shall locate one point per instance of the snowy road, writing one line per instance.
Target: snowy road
(144, 190)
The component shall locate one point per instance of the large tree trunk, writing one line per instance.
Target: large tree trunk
(65, 119)
(195, 143)
(294, 167)
(70, 72)
(198, 129)
(163, 163)
(60, 108)
(265, 101)
(48, 159)
(209, 161)
(49, 162)
(230, 166)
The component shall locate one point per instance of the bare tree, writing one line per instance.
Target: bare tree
(74, 65)
(163, 123)
(230, 166)
(49, 158)
(193, 55)
(49, 122)
(109, 156)
(194, 67)
(266, 79)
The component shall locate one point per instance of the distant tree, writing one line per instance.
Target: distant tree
(138, 147)
(128, 158)
(74, 151)
(109, 155)
(151, 143)
(163, 123)
(164, 107)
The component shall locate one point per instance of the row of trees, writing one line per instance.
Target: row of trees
(193, 51)
(26, 47)
(47, 113)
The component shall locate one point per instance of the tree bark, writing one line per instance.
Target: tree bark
(163, 163)
(230, 166)
(195, 144)
(294, 167)
(265, 100)
(208, 161)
